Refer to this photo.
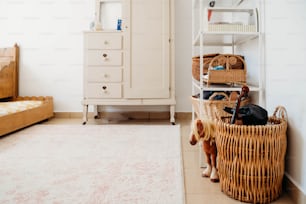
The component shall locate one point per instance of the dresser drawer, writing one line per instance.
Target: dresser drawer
(104, 57)
(103, 41)
(104, 90)
(99, 74)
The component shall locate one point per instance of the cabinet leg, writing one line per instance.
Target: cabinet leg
(96, 112)
(85, 112)
(172, 113)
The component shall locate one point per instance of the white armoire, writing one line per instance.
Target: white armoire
(132, 64)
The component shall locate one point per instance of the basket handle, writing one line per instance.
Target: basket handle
(280, 112)
(227, 57)
(218, 94)
(216, 58)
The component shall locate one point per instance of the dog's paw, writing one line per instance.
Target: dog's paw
(214, 176)
(207, 171)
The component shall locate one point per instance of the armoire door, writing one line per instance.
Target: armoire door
(147, 48)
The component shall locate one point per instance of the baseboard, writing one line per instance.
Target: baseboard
(131, 115)
(294, 192)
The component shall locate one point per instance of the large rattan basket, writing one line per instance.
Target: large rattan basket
(251, 159)
(213, 109)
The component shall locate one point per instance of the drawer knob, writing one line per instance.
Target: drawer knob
(105, 42)
(105, 75)
(104, 89)
(104, 55)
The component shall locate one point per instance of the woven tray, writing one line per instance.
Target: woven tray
(196, 65)
(251, 159)
(234, 72)
(213, 109)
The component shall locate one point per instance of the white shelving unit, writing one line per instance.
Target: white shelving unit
(228, 37)
(221, 33)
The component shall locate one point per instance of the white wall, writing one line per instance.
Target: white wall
(49, 33)
(183, 54)
(286, 77)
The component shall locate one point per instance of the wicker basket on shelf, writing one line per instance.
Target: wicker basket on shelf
(251, 159)
(196, 65)
(213, 109)
(234, 71)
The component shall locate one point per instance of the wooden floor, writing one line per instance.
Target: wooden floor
(198, 190)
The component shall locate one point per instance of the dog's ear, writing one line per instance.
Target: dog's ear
(192, 139)
(199, 126)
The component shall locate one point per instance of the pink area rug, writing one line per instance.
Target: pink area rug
(92, 164)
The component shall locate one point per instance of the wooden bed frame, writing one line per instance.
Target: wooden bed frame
(9, 67)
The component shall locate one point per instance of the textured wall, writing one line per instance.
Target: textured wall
(49, 33)
(50, 36)
(286, 77)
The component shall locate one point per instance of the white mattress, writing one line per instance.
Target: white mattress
(17, 106)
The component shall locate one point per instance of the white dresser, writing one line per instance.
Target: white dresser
(135, 65)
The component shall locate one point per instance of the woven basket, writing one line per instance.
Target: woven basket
(196, 65)
(234, 72)
(213, 109)
(251, 159)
